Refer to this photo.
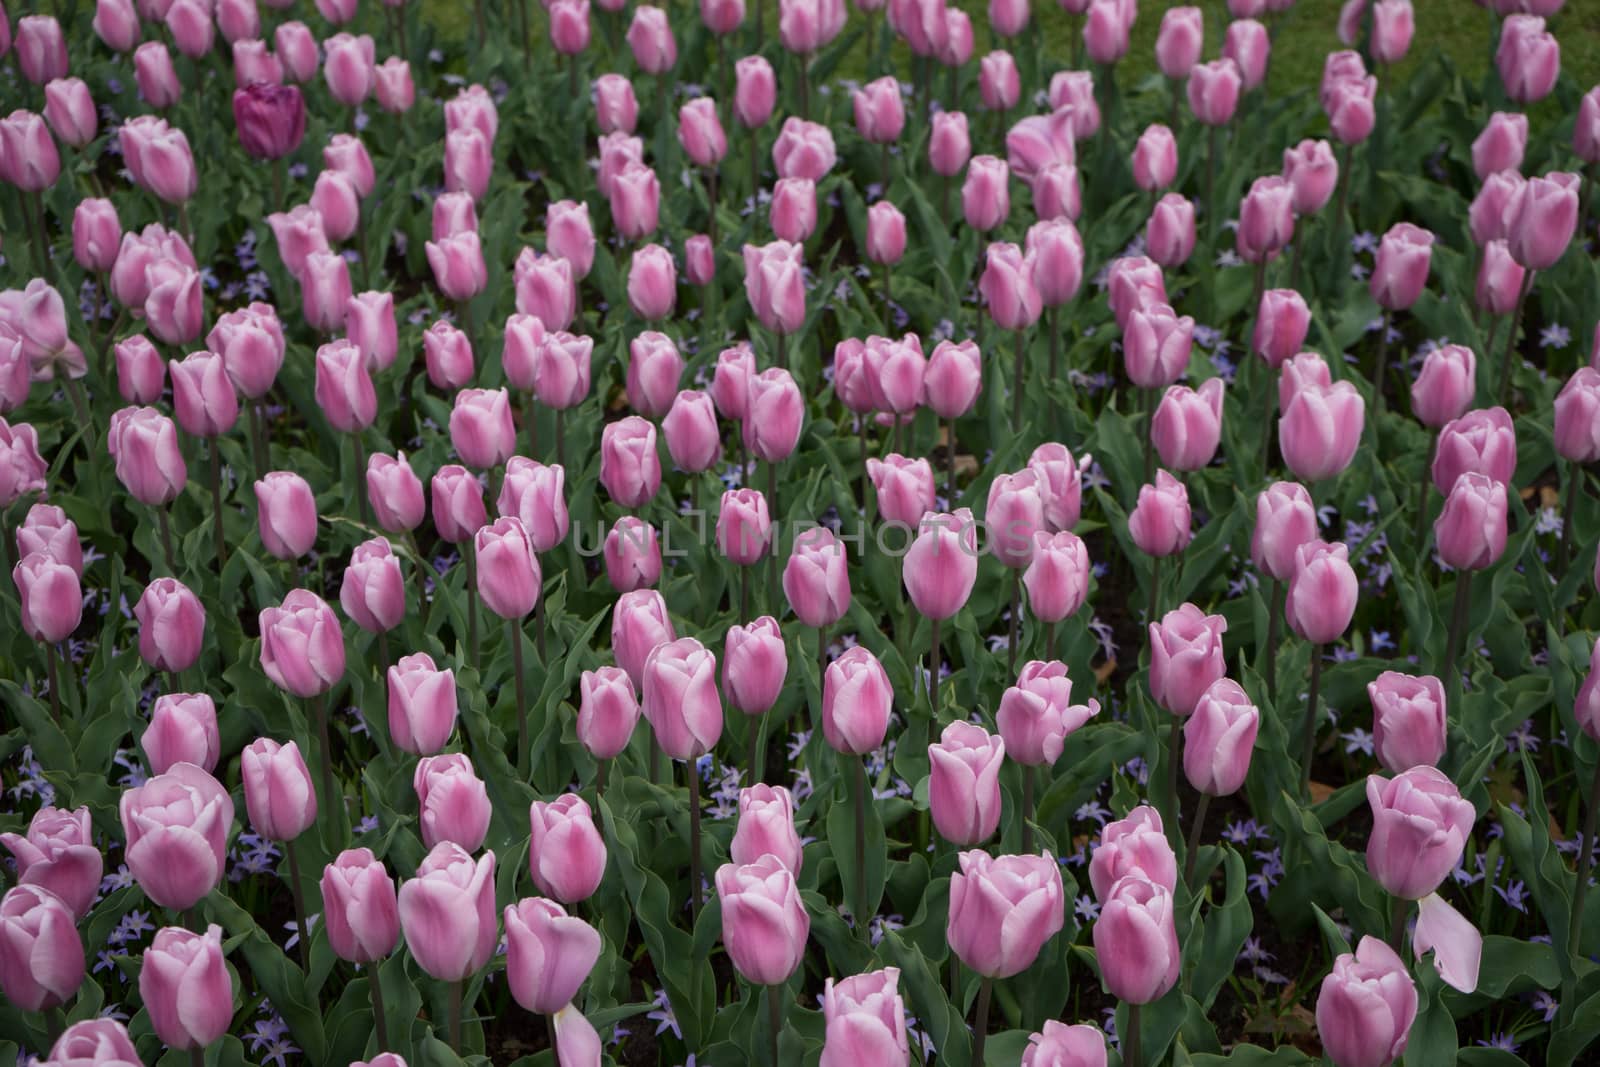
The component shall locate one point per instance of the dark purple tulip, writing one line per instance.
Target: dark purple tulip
(271, 119)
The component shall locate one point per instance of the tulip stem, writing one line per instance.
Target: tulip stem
(470, 551)
(54, 682)
(522, 699)
(1421, 537)
(980, 1032)
(1195, 832)
(1344, 187)
(455, 1016)
(1131, 1057)
(1174, 743)
(1309, 746)
(1274, 614)
(550, 1027)
(303, 941)
(774, 1020)
(858, 784)
(375, 987)
(1568, 518)
(1458, 624)
(744, 593)
(561, 442)
(693, 770)
(933, 670)
(1585, 863)
(1027, 808)
(360, 452)
(258, 449)
(1016, 381)
(1211, 180)
(166, 541)
(777, 536)
(1511, 338)
(1149, 433)
(1382, 368)
(330, 799)
(216, 504)
(197, 1056)
(1294, 262)
(1397, 922)
(1155, 586)
(1050, 641)
(1268, 424)
(1016, 611)
(950, 465)
(54, 1023)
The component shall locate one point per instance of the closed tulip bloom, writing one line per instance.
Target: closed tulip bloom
(569, 26)
(69, 109)
(764, 921)
(1008, 17)
(176, 828)
(447, 913)
(335, 199)
(1186, 658)
(509, 578)
(546, 289)
(1542, 220)
(879, 112)
(1214, 91)
(1170, 234)
(896, 373)
(1135, 844)
(1365, 1006)
(1003, 910)
(1312, 172)
(172, 627)
(949, 146)
(452, 801)
(337, 12)
(1057, 579)
(481, 428)
(1528, 58)
(1135, 283)
(1188, 425)
(1060, 1045)
(755, 91)
(422, 704)
(1156, 344)
(116, 23)
(186, 988)
(22, 469)
(359, 909)
(549, 954)
(1401, 268)
(1105, 31)
(149, 463)
(857, 699)
(618, 151)
(30, 161)
(1480, 442)
(1586, 129)
(1350, 109)
(774, 416)
(325, 290)
(344, 389)
(964, 783)
(951, 383)
(288, 514)
(865, 1020)
(393, 87)
(373, 593)
(1445, 385)
(1322, 592)
(700, 132)
(942, 564)
(699, 260)
(561, 370)
(298, 233)
(536, 495)
(395, 492)
(566, 855)
(743, 526)
(51, 596)
(1500, 279)
(1056, 196)
(754, 664)
(999, 83)
(155, 75)
(854, 381)
(458, 267)
(1419, 830)
(1248, 45)
(47, 529)
(1160, 523)
(277, 789)
(722, 17)
(1015, 512)
(302, 647)
(1501, 144)
(803, 150)
(468, 162)
(174, 308)
(1282, 321)
(254, 64)
(816, 580)
(904, 487)
(297, 48)
(639, 622)
(1155, 154)
(1587, 705)
(159, 158)
(1320, 429)
(607, 711)
(1266, 219)
(270, 119)
(629, 467)
(473, 108)
(1180, 40)
(1036, 143)
(774, 283)
(1408, 720)
(1037, 713)
(651, 41)
(96, 234)
(1007, 287)
(766, 827)
(632, 554)
(680, 698)
(635, 201)
(1471, 530)
(654, 370)
(183, 730)
(1136, 941)
(349, 68)
(1285, 520)
(985, 196)
(57, 853)
(1577, 418)
(1062, 480)
(693, 438)
(370, 327)
(793, 210)
(1218, 739)
(141, 374)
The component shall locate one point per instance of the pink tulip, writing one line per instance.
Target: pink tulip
(270, 119)
(468, 162)
(1541, 223)
(857, 700)
(1057, 579)
(1419, 830)
(452, 801)
(155, 75)
(615, 106)
(336, 200)
(607, 712)
(393, 87)
(1160, 524)
(904, 488)
(349, 68)
(51, 596)
(948, 144)
(1501, 144)
(447, 913)
(755, 91)
(1218, 738)
(1577, 418)
(1481, 442)
(175, 308)
(639, 623)
(149, 463)
(277, 790)
(754, 664)
(172, 626)
(569, 26)
(1156, 344)
(509, 578)
(1285, 520)
(699, 260)
(744, 528)
(344, 389)
(58, 854)
(1186, 658)
(116, 23)
(774, 416)
(302, 647)
(1322, 592)
(680, 698)
(186, 988)
(183, 729)
(1007, 287)
(324, 290)
(561, 370)
(359, 909)
(1003, 910)
(722, 17)
(816, 580)
(458, 509)
(1135, 844)
(964, 783)
(1214, 91)
(1134, 283)
(1180, 41)
(548, 955)
(951, 383)
(1037, 714)
(1500, 279)
(1312, 173)
(1105, 31)
(255, 64)
(422, 704)
(896, 373)
(1015, 512)
(1266, 219)
(141, 374)
(546, 289)
(1320, 428)
(879, 112)
(1136, 941)
(985, 198)
(632, 555)
(566, 855)
(395, 492)
(1170, 234)
(865, 1020)
(1155, 155)
(176, 827)
(1188, 425)
(635, 201)
(999, 83)
(793, 209)
(373, 592)
(1528, 58)
(46, 529)
(766, 827)
(941, 565)
(481, 427)
(1248, 45)
(1366, 1005)
(1408, 717)
(1444, 388)
(1282, 321)
(803, 150)
(774, 284)
(297, 48)
(458, 267)
(22, 469)
(651, 41)
(764, 921)
(854, 381)
(96, 235)
(1401, 268)
(69, 108)
(1471, 530)
(1062, 480)
(1060, 1045)
(652, 283)
(297, 233)
(700, 132)
(159, 158)
(288, 514)
(629, 467)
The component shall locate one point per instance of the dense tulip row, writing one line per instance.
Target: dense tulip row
(905, 807)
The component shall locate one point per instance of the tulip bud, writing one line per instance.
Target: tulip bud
(288, 514)
(186, 988)
(1366, 1006)
(1322, 592)
(422, 704)
(359, 908)
(509, 578)
(1444, 388)
(277, 790)
(1420, 824)
(1155, 155)
(566, 855)
(1408, 720)
(1136, 941)
(369, 324)
(47, 530)
(58, 854)
(203, 395)
(172, 626)
(448, 354)
(754, 664)
(1156, 344)
(766, 827)
(452, 801)
(629, 467)
(447, 913)
(1266, 219)
(395, 492)
(1401, 268)
(176, 827)
(1285, 520)
(149, 463)
(1003, 910)
(1179, 42)
(1170, 234)
(1500, 279)
(755, 91)
(680, 698)
(700, 132)
(1501, 144)
(941, 565)
(865, 1020)
(141, 374)
(1214, 91)
(948, 144)
(1528, 58)
(964, 783)
(1160, 523)
(651, 41)
(1481, 442)
(1471, 530)
(1320, 428)
(764, 921)
(373, 593)
(816, 580)
(857, 699)
(270, 119)
(393, 87)
(1218, 738)
(481, 428)
(349, 68)
(607, 712)
(1282, 321)
(985, 197)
